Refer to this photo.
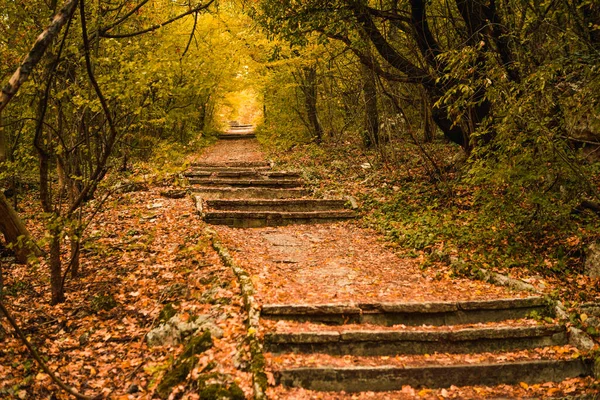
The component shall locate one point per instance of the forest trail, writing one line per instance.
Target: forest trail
(341, 312)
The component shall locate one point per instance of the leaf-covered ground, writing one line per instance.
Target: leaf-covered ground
(143, 252)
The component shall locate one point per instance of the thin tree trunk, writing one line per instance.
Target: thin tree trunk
(75, 252)
(56, 288)
(428, 123)
(371, 131)
(310, 101)
(3, 142)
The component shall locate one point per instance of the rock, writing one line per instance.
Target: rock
(560, 311)
(184, 364)
(167, 312)
(592, 260)
(129, 187)
(593, 322)
(353, 202)
(580, 339)
(591, 309)
(176, 329)
(174, 194)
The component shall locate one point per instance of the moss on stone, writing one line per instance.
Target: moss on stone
(257, 366)
(210, 366)
(197, 345)
(103, 302)
(176, 375)
(167, 312)
(218, 392)
(215, 386)
(184, 364)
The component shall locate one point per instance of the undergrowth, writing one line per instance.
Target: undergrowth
(431, 207)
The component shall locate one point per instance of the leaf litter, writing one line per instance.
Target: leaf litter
(144, 252)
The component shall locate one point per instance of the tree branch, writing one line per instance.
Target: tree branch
(157, 26)
(370, 63)
(36, 356)
(35, 54)
(123, 18)
(385, 49)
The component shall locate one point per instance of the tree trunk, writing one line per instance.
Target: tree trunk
(428, 123)
(13, 228)
(309, 89)
(75, 252)
(369, 89)
(3, 143)
(56, 287)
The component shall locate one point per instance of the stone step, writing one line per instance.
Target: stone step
(242, 182)
(275, 205)
(249, 193)
(232, 164)
(426, 313)
(213, 169)
(387, 378)
(391, 343)
(255, 219)
(236, 136)
(242, 173)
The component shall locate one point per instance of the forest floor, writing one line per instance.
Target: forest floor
(144, 253)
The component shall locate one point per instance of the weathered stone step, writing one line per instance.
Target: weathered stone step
(275, 205)
(249, 193)
(426, 313)
(242, 173)
(242, 182)
(391, 343)
(387, 378)
(212, 169)
(236, 136)
(256, 219)
(232, 164)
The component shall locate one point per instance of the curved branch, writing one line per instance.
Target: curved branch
(372, 64)
(123, 18)
(385, 49)
(36, 356)
(158, 26)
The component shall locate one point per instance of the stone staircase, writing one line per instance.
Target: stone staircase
(238, 131)
(380, 346)
(250, 194)
(383, 347)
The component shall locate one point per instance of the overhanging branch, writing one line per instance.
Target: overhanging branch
(157, 26)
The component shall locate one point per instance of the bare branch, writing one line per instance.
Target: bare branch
(157, 26)
(123, 18)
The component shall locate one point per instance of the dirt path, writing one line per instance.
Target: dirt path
(232, 151)
(341, 263)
